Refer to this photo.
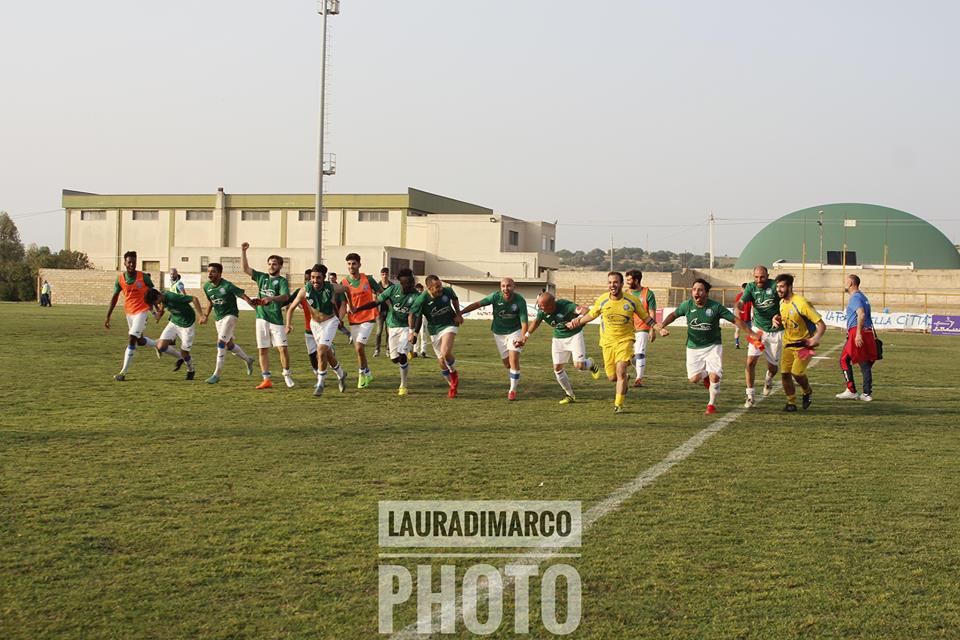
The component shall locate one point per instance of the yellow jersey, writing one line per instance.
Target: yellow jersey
(798, 317)
(616, 316)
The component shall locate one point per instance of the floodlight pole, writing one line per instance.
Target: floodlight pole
(318, 202)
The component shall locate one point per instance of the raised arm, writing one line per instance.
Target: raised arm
(243, 259)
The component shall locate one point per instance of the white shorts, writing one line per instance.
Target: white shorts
(171, 332)
(311, 342)
(136, 323)
(361, 332)
(773, 347)
(565, 348)
(324, 332)
(270, 335)
(225, 327)
(435, 338)
(505, 343)
(709, 359)
(398, 341)
(641, 340)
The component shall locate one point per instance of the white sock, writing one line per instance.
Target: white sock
(404, 369)
(640, 363)
(149, 342)
(714, 392)
(128, 354)
(588, 364)
(286, 373)
(514, 379)
(173, 351)
(237, 351)
(564, 381)
(189, 362)
(339, 371)
(750, 392)
(221, 358)
(316, 372)
(321, 376)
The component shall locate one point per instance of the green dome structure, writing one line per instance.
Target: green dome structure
(866, 229)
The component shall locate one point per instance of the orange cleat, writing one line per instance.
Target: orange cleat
(638, 382)
(266, 384)
(710, 409)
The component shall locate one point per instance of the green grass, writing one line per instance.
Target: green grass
(161, 508)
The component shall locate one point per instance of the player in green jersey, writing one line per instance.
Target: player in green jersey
(704, 346)
(319, 296)
(273, 295)
(183, 324)
(566, 343)
(401, 297)
(222, 301)
(509, 327)
(766, 305)
(441, 309)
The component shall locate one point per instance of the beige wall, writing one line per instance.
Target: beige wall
(149, 238)
(194, 233)
(96, 238)
(257, 233)
(372, 233)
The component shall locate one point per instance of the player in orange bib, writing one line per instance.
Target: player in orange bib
(362, 289)
(134, 286)
(644, 334)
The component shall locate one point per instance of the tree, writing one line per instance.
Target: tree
(19, 267)
(11, 249)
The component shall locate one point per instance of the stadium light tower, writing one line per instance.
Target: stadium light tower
(326, 8)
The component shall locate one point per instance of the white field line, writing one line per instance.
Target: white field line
(618, 496)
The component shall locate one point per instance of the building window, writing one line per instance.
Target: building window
(204, 262)
(419, 268)
(92, 216)
(513, 238)
(146, 215)
(230, 264)
(254, 216)
(374, 216)
(199, 216)
(184, 259)
(553, 244)
(398, 263)
(309, 215)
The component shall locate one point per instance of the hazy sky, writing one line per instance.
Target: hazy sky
(632, 117)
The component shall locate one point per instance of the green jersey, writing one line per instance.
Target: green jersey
(438, 311)
(223, 296)
(703, 323)
(270, 286)
(321, 299)
(507, 314)
(400, 304)
(766, 304)
(564, 313)
(180, 308)
(126, 276)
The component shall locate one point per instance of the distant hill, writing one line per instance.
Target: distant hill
(636, 258)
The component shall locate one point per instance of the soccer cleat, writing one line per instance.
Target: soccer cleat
(159, 353)
(806, 399)
(342, 383)
(866, 397)
(711, 409)
(847, 395)
(191, 375)
(638, 382)
(736, 344)
(317, 390)
(402, 391)
(748, 403)
(454, 380)
(120, 377)
(250, 367)
(452, 392)
(617, 408)
(214, 379)
(595, 372)
(568, 400)
(362, 381)
(369, 377)
(767, 389)
(178, 364)
(266, 384)
(289, 382)
(790, 408)
(413, 354)
(511, 395)
(376, 353)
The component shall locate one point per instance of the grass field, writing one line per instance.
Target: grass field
(160, 508)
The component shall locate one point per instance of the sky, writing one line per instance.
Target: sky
(633, 118)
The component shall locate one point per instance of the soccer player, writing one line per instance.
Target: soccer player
(421, 345)
(308, 338)
(440, 306)
(361, 289)
(861, 345)
(802, 329)
(743, 311)
(704, 346)
(509, 326)
(616, 309)
(401, 297)
(385, 283)
(274, 291)
(332, 277)
(762, 295)
(183, 324)
(319, 296)
(644, 333)
(134, 286)
(566, 342)
(222, 300)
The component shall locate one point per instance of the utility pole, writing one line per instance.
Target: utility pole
(611, 252)
(820, 226)
(710, 222)
(327, 7)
